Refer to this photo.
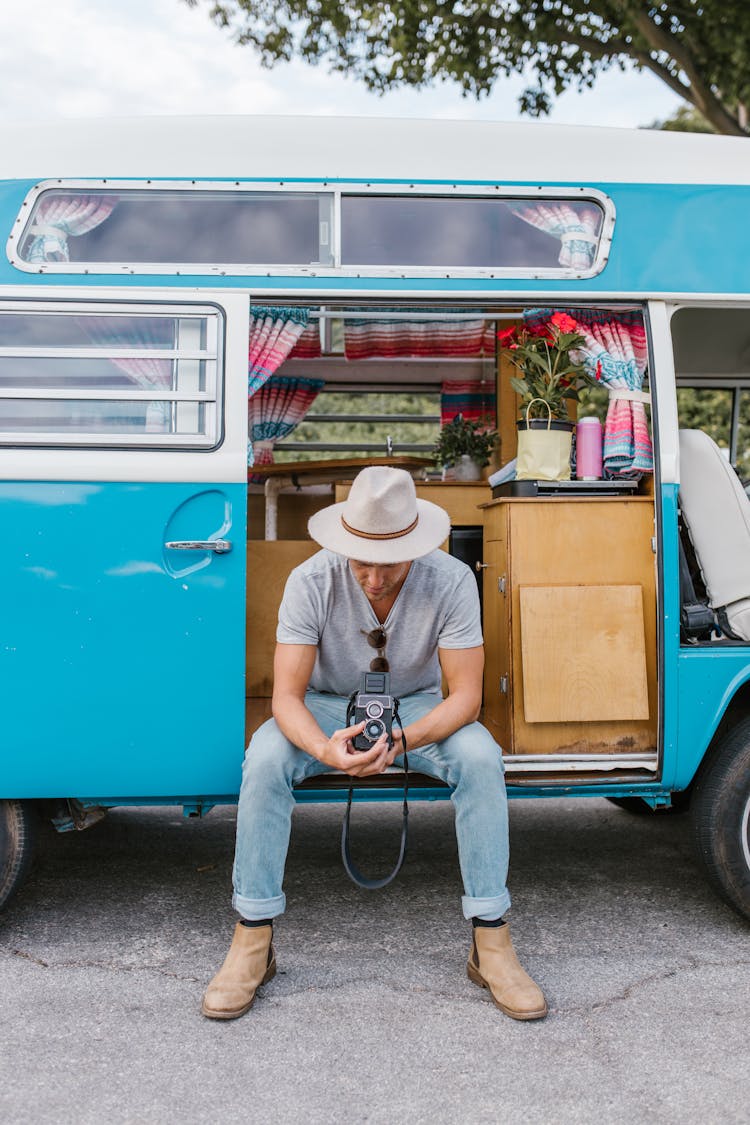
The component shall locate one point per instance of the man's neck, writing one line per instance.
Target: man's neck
(383, 606)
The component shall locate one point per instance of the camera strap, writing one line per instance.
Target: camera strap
(349, 866)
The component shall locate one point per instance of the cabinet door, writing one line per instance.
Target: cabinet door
(593, 560)
(497, 671)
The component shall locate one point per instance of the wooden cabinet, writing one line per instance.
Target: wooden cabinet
(269, 564)
(570, 625)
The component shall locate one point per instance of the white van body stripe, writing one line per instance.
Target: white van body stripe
(329, 148)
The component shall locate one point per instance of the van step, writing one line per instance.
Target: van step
(391, 779)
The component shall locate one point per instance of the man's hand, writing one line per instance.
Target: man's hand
(339, 754)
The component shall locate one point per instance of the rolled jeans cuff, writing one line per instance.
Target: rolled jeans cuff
(487, 908)
(257, 909)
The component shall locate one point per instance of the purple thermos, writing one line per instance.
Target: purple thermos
(589, 449)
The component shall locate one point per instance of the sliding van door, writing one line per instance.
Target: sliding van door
(123, 470)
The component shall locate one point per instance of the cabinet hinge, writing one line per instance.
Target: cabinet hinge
(501, 584)
(503, 685)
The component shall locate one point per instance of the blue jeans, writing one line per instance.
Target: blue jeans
(470, 761)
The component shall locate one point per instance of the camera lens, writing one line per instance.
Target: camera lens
(374, 729)
(374, 709)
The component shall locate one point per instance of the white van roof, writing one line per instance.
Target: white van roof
(320, 148)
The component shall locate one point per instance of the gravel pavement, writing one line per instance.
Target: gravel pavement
(105, 952)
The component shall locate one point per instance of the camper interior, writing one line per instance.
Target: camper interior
(567, 577)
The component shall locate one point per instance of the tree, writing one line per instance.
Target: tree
(699, 48)
(685, 119)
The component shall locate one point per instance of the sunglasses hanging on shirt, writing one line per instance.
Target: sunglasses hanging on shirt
(377, 639)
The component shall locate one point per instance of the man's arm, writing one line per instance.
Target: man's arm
(292, 668)
(463, 669)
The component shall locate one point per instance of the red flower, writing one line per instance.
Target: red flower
(541, 332)
(564, 322)
(598, 369)
(507, 335)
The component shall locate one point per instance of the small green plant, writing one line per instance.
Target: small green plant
(460, 437)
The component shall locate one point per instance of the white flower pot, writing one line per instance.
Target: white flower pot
(467, 469)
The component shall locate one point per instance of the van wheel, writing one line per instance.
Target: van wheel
(721, 817)
(17, 842)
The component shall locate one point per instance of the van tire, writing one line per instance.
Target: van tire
(18, 823)
(721, 817)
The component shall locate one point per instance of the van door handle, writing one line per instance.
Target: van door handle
(220, 546)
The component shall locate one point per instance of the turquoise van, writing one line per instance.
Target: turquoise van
(207, 325)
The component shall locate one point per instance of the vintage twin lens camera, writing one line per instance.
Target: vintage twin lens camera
(373, 705)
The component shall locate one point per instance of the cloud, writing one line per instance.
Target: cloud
(83, 58)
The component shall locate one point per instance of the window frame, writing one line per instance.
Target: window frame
(212, 397)
(290, 445)
(337, 190)
(735, 383)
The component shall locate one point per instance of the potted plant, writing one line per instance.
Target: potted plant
(465, 446)
(551, 376)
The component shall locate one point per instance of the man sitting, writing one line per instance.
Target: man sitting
(381, 583)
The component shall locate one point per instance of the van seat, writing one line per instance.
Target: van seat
(716, 512)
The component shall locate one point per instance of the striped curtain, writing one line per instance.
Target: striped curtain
(277, 408)
(475, 401)
(370, 339)
(64, 216)
(308, 344)
(273, 334)
(616, 354)
(575, 224)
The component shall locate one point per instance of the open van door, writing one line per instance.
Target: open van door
(123, 491)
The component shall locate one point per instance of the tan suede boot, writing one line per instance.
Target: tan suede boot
(493, 965)
(249, 963)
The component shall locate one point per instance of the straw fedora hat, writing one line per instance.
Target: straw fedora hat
(381, 520)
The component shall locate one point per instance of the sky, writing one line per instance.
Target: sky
(121, 58)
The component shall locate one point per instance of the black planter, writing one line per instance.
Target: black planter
(544, 424)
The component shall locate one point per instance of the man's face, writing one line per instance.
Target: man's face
(379, 580)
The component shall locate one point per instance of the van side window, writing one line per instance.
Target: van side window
(469, 232)
(214, 228)
(84, 375)
(346, 424)
(712, 366)
(199, 228)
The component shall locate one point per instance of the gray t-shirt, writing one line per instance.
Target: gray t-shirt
(323, 605)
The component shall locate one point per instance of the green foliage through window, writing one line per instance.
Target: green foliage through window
(710, 409)
(367, 419)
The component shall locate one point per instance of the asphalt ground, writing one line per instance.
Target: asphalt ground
(105, 952)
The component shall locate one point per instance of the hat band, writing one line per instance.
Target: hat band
(382, 534)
